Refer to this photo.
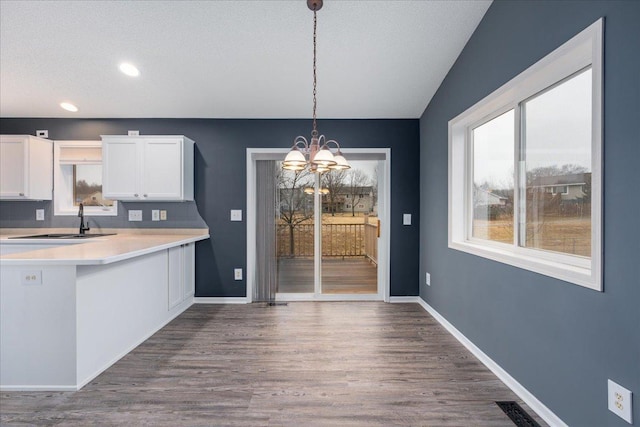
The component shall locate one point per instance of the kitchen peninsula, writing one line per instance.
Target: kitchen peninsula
(70, 308)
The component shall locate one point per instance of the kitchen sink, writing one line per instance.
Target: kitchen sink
(63, 236)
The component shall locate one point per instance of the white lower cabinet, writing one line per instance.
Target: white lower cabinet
(181, 273)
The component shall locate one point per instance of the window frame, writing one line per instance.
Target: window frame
(580, 52)
(63, 186)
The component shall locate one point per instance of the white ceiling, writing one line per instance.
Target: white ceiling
(228, 59)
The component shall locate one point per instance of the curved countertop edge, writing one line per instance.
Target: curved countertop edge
(98, 251)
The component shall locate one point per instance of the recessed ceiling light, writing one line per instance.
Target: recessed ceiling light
(69, 107)
(129, 69)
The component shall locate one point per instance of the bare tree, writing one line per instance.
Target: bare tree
(294, 207)
(356, 181)
(374, 188)
(334, 181)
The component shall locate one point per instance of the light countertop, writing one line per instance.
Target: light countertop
(125, 244)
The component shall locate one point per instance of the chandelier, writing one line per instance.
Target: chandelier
(315, 154)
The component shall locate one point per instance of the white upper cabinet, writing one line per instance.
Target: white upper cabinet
(147, 168)
(26, 168)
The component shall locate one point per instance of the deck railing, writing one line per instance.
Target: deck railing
(338, 240)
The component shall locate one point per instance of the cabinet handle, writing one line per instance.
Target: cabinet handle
(144, 195)
(21, 194)
(135, 195)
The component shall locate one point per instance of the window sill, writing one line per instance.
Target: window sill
(88, 212)
(582, 276)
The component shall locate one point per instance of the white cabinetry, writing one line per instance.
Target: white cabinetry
(181, 274)
(147, 168)
(26, 168)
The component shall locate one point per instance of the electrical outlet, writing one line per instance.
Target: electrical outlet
(133, 133)
(620, 401)
(406, 219)
(39, 214)
(163, 215)
(428, 279)
(42, 133)
(31, 277)
(237, 274)
(135, 215)
(155, 215)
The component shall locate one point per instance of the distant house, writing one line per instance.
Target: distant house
(351, 199)
(487, 198)
(571, 187)
(360, 199)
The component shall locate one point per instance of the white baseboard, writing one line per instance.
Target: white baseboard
(527, 397)
(38, 388)
(220, 300)
(404, 300)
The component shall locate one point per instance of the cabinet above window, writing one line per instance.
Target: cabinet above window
(147, 168)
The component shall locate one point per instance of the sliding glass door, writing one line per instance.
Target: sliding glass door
(318, 236)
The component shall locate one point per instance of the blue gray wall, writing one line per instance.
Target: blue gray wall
(561, 341)
(220, 185)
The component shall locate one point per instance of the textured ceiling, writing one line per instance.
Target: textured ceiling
(228, 59)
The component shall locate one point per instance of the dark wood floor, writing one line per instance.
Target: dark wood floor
(304, 364)
(351, 275)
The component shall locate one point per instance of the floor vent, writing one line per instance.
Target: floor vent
(517, 414)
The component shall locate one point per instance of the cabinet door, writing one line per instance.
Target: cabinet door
(12, 169)
(189, 270)
(162, 173)
(121, 165)
(176, 263)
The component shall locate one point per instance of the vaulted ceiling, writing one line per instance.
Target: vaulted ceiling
(228, 59)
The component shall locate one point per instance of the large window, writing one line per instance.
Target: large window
(78, 179)
(525, 167)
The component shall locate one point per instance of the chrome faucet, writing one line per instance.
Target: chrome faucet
(83, 227)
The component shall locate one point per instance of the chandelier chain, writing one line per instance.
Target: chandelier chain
(315, 23)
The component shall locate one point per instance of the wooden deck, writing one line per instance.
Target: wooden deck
(339, 276)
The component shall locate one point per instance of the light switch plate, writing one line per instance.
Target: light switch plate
(39, 214)
(135, 215)
(406, 219)
(236, 215)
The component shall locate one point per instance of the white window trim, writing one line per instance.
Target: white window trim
(63, 185)
(583, 50)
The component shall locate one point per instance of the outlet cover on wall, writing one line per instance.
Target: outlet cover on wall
(237, 274)
(31, 277)
(163, 215)
(406, 219)
(236, 215)
(135, 215)
(39, 214)
(428, 279)
(619, 399)
(42, 133)
(133, 133)
(155, 215)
